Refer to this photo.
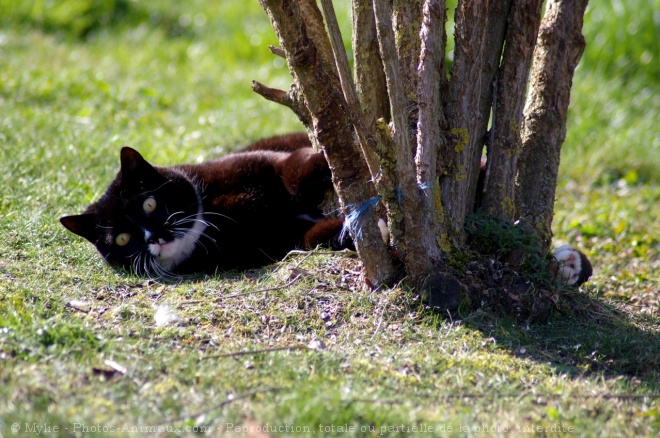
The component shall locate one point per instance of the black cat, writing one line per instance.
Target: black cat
(244, 210)
(241, 211)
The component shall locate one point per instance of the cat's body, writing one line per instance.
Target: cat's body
(243, 210)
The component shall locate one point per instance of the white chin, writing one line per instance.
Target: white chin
(166, 253)
(171, 254)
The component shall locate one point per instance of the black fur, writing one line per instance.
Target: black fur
(250, 208)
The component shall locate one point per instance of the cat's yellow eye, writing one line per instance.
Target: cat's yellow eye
(122, 239)
(149, 204)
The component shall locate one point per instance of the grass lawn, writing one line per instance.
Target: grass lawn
(85, 349)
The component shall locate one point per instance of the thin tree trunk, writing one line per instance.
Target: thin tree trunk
(479, 37)
(558, 51)
(407, 22)
(431, 125)
(417, 258)
(500, 187)
(300, 30)
(377, 149)
(371, 86)
(369, 74)
(365, 133)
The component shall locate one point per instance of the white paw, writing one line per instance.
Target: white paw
(384, 230)
(570, 263)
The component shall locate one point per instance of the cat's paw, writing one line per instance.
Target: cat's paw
(574, 267)
(384, 231)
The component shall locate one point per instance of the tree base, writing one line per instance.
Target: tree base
(444, 291)
(503, 269)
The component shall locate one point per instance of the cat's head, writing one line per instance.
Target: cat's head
(149, 219)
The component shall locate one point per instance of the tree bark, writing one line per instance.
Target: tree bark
(420, 254)
(557, 53)
(407, 21)
(365, 133)
(431, 125)
(479, 37)
(369, 75)
(506, 120)
(299, 28)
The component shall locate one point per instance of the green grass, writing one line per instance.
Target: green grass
(80, 346)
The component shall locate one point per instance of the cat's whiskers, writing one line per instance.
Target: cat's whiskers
(135, 267)
(163, 273)
(181, 233)
(157, 269)
(203, 246)
(134, 260)
(192, 218)
(138, 266)
(167, 221)
(170, 216)
(220, 214)
(146, 261)
(192, 221)
(211, 239)
(143, 266)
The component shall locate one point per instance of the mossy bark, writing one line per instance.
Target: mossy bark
(479, 38)
(506, 120)
(368, 66)
(557, 53)
(431, 125)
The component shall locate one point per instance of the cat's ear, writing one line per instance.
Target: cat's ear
(135, 169)
(83, 225)
(132, 161)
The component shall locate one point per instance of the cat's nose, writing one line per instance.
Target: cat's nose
(150, 237)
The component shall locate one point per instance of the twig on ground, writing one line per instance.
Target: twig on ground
(71, 305)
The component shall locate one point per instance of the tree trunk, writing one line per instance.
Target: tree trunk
(506, 120)
(420, 255)
(402, 134)
(479, 37)
(299, 27)
(557, 53)
(369, 74)
(431, 126)
(406, 21)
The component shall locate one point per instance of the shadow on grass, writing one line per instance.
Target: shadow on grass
(586, 336)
